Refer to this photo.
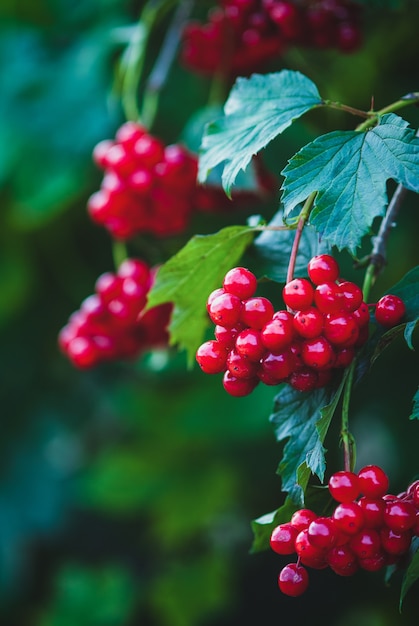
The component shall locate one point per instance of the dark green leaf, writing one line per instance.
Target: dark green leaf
(189, 277)
(410, 576)
(271, 250)
(415, 409)
(349, 170)
(303, 419)
(258, 109)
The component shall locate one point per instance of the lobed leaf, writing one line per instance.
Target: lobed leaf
(303, 419)
(188, 278)
(257, 110)
(349, 171)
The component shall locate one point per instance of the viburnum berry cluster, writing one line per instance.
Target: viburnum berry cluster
(146, 185)
(242, 35)
(110, 324)
(368, 529)
(150, 187)
(325, 322)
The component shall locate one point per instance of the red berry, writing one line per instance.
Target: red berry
(309, 554)
(293, 580)
(373, 509)
(238, 387)
(342, 560)
(211, 357)
(341, 329)
(390, 310)
(304, 379)
(298, 294)
(240, 366)
(278, 366)
(351, 296)
(225, 310)
(365, 543)
(399, 515)
(308, 323)
(256, 312)
(323, 268)
(362, 315)
(322, 533)
(344, 486)
(249, 344)
(373, 481)
(348, 517)
(241, 282)
(278, 333)
(302, 519)
(317, 353)
(328, 298)
(283, 538)
(395, 542)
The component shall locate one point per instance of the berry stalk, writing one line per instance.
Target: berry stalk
(304, 215)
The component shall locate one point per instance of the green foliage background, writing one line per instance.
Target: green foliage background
(126, 493)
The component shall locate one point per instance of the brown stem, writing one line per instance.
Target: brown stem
(305, 212)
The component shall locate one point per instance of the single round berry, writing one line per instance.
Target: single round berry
(373, 481)
(399, 515)
(225, 310)
(238, 387)
(322, 533)
(390, 310)
(304, 379)
(342, 560)
(241, 282)
(323, 268)
(308, 323)
(302, 519)
(344, 486)
(278, 333)
(365, 543)
(249, 344)
(373, 509)
(348, 517)
(298, 294)
(341, 329)
(211, 357)
(328, 298)
(317, 353)
(278, 366)
(256, 312)
(240, 366)
(283, 539)
(293, 580)
(309, 554)
(395, 542)
(351, 296)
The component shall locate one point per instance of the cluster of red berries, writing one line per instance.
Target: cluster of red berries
(326, 321)
(150, 187)
(110, 324)
(242, 35)
(368, 529)
(146, 185)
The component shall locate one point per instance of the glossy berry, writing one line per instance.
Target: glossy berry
(278, 333)
(238, 387)
(256, 312)
(298, 294)
(348, 517)
(323, 268)
(317, 353)
(225, 310)
(293, 580)
(302, 518)
(308, 323)
(322, 533)
(211, 357)
(373, 481)
(390, 310)
(328, 298)
(341, 329)
(399, 515)
(241, 282)
(344, 486)
(249, 343)
(282, 539)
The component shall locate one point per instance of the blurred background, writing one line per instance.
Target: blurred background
(127, 491)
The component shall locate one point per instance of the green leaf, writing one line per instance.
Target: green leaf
(303, 419)
(410, 576)
(271, 250)
(415, 410)
(349, 170)
(188, 278)
(257, 110)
